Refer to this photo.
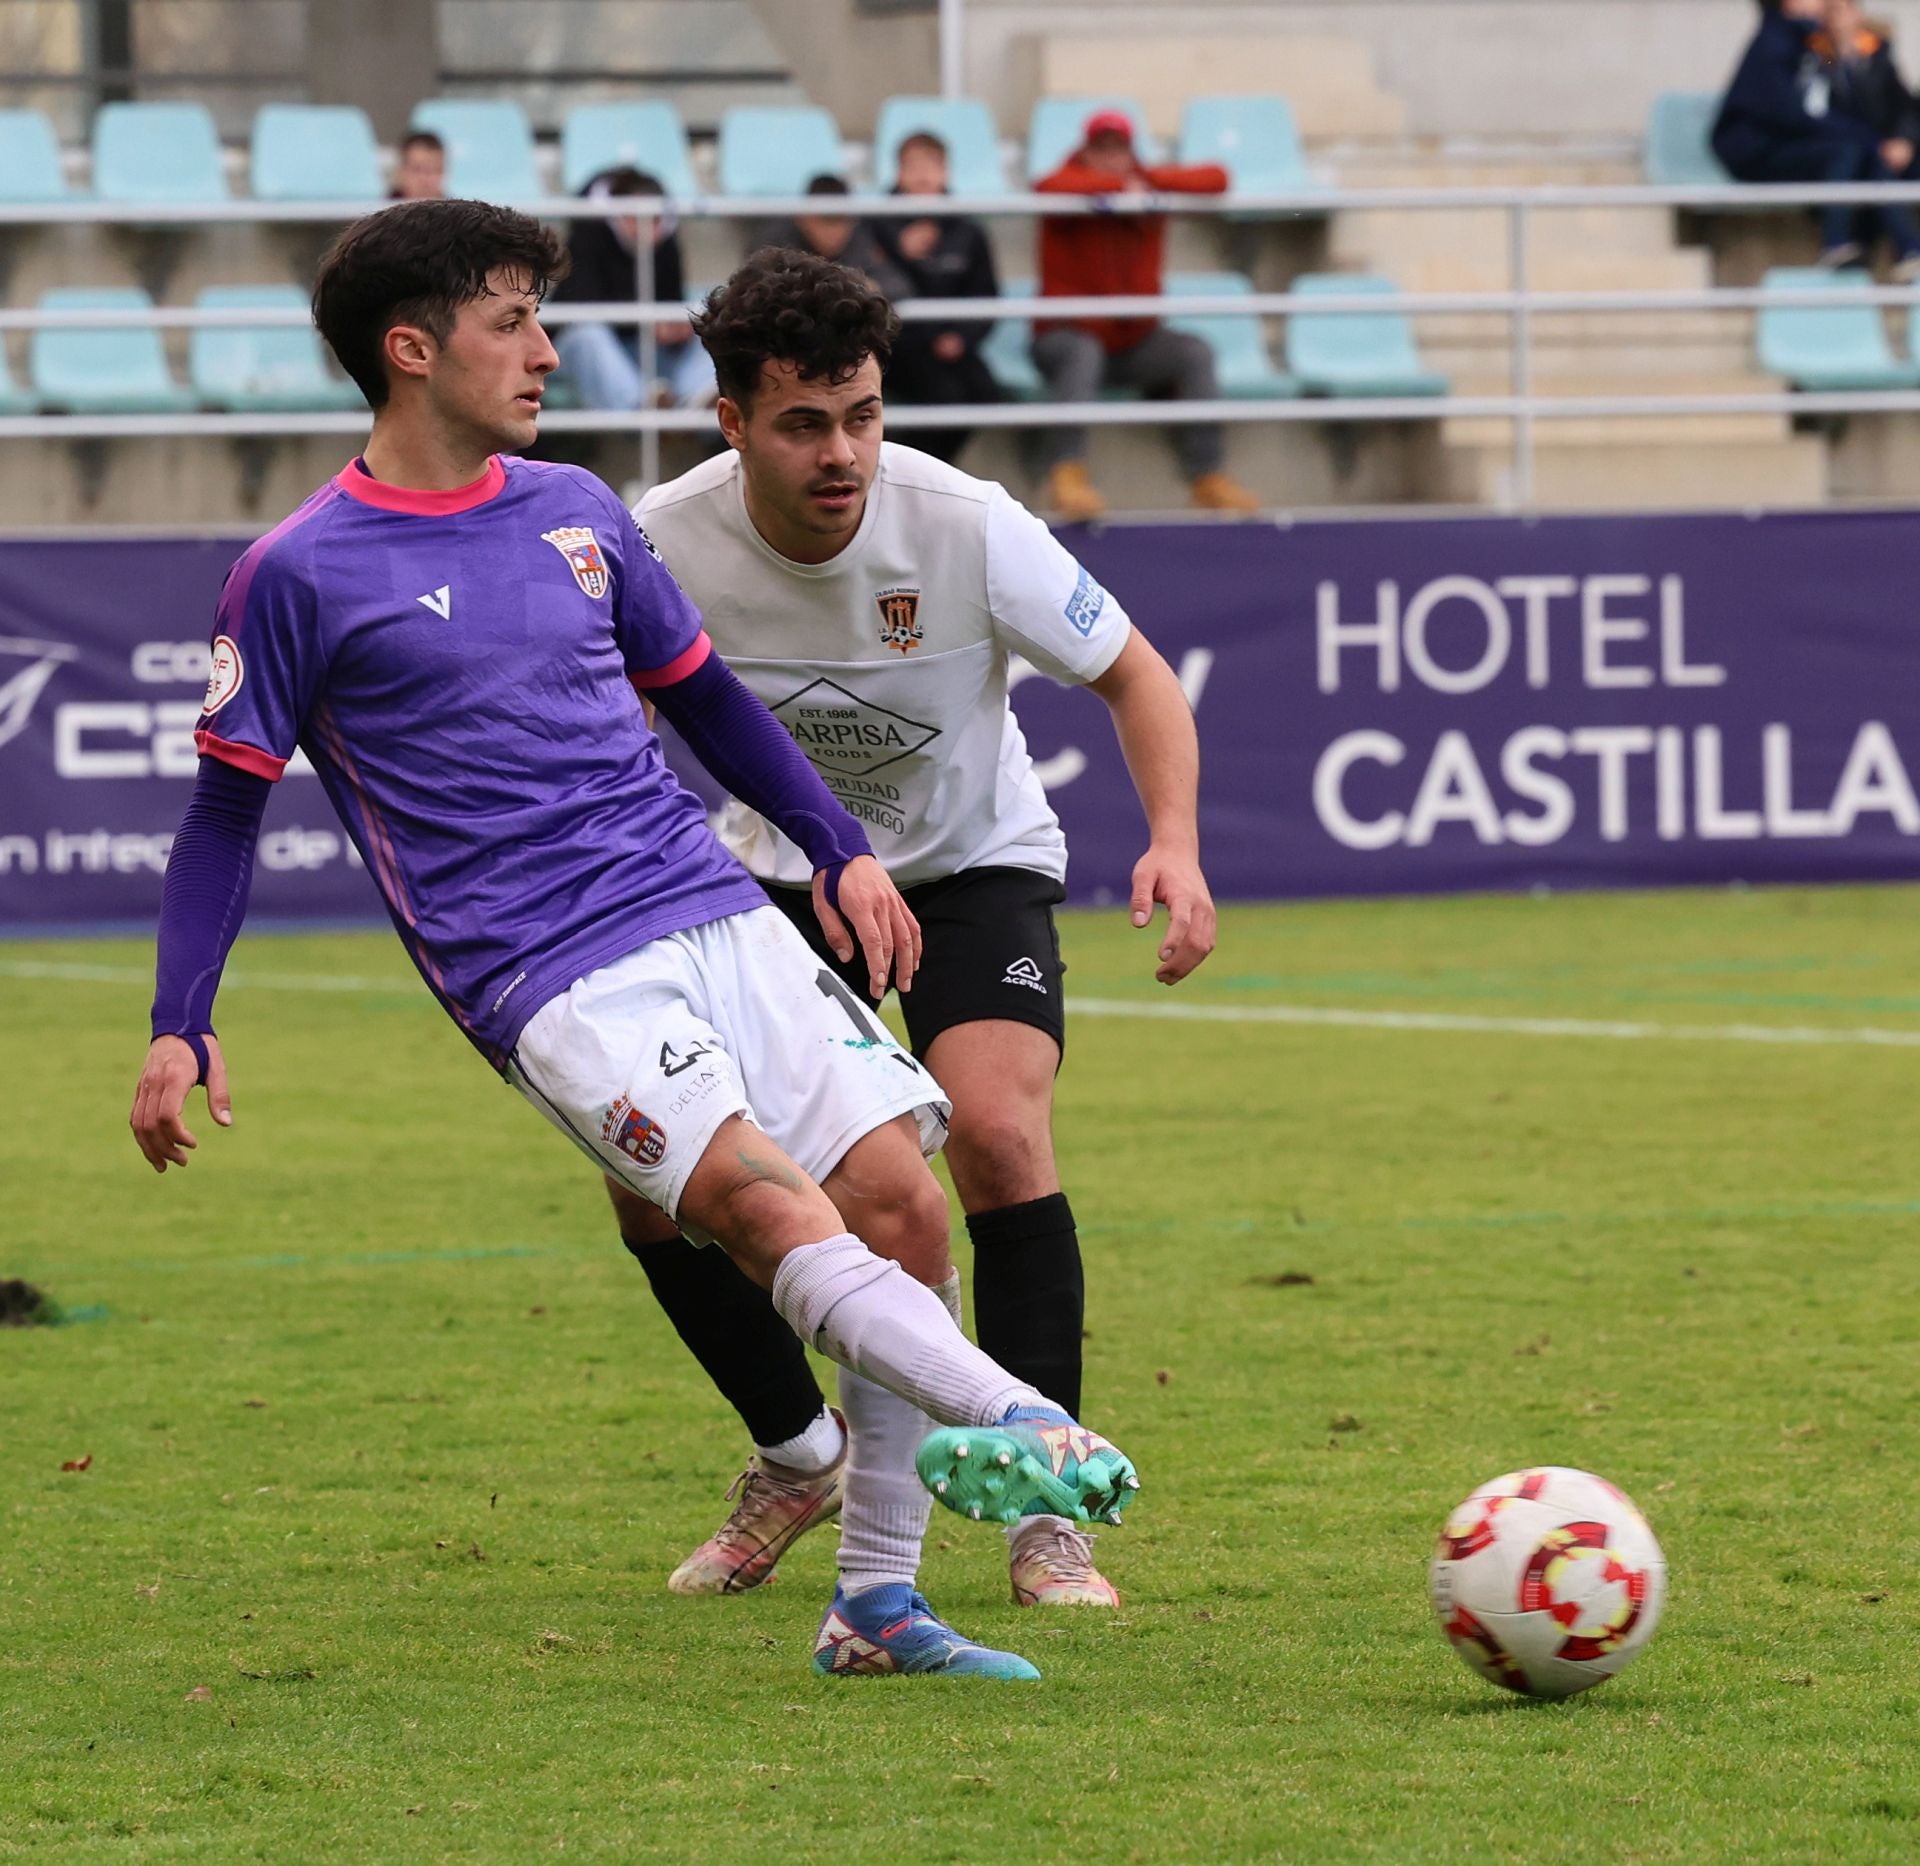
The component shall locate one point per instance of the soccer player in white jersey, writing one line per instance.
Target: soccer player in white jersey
(454, 636)
(874, 597)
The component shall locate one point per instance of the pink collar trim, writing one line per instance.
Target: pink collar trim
(357, 483)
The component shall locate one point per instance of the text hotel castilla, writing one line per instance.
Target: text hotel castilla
(1624, 633)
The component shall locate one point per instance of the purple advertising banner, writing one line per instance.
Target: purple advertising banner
(1385, 706)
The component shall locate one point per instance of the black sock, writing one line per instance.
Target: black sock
(1029, 1294)
(736, 1334)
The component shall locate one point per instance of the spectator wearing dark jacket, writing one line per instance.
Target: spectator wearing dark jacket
(833, 234)
(1856, 57)
(602, 361)
(1777, 123)
(1122, 254)
(938, 258)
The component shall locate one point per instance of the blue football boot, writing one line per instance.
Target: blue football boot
(892, 1629)
(1038, 1461)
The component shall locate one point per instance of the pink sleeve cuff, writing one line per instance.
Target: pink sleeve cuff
(242, 757)
(689, 661)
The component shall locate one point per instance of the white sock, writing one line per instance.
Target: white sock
(883, 1520)
(869, 1315)
(816, 1449)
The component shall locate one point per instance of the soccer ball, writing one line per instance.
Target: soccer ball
(1548, 1581)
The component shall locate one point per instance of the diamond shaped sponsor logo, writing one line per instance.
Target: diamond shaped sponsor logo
(842, 733)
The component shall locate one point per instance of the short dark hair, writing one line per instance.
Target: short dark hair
(793, 307)
(921, 139)
(418, 263)
(625, 180)
(828, 184)
(422, 139)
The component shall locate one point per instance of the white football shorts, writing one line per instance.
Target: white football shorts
(640, 1062)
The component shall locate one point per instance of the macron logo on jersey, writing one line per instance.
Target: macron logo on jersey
(440, 602)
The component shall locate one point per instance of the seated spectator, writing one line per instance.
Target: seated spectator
(1856, 57)
(1113, 254)
(602, 361)
(944, 258)
(837, 236)
(1778, 123)
(421, 173)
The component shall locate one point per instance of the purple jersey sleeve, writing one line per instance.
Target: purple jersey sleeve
(267, 664)
(654, 619)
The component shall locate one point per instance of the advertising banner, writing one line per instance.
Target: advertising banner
(1385, 706)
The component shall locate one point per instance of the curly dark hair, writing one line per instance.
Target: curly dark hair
(418, 263)
(792, 307)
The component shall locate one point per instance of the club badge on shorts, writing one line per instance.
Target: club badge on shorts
(900, 619)
(637, 1135)
(581, 549)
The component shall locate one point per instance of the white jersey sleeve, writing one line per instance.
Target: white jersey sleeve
(1045, 604)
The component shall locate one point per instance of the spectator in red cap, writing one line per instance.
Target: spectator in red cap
(1090, 255)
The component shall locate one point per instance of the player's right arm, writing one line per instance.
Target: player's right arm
(266, 670)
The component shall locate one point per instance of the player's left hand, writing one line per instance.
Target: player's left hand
(871, 911)
(1177, 881)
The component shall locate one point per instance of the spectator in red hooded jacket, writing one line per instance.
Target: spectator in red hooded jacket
(1122, 253)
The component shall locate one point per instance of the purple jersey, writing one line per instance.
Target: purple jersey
(460, 667)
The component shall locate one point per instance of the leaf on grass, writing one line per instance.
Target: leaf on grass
(1344, 1422)
(1878, 1594)
(1163, 1375)
(421, 1809)
(1283, 1279)
(298, 1674)
(79, 1464)
(200, 1694)
(477, 1553)
(1538, 1345)
(1796, 1678)
(148, 1593)
(254, 1405)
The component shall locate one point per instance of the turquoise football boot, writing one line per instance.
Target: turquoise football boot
(1038, 1461)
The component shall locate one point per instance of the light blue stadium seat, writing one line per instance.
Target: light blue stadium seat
(276, 366)
(1818, 347)
(777, 150)
(315, 152)
(1242, 366)
(1058, 127)
(1356, 353)
(1253, 138)
(29, 158)
(1679, 152)
(964, 124)
(1006, 350)
(157, 152)
(489, 147)
(103, 372)
(647, 135)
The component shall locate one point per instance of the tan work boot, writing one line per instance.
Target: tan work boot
(1217, 492)
(1072, 495)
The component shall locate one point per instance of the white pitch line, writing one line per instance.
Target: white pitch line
(1494, 1026)
(1442, 1022)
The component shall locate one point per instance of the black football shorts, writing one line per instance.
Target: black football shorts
(990, 949)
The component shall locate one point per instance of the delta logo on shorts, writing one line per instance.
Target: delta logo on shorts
(581, 549)
(637, 1135)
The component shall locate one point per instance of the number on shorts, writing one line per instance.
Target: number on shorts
(866, 1026)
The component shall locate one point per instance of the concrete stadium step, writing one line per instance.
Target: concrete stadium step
(1626, 431)
(1654, 475)
(1483, 234)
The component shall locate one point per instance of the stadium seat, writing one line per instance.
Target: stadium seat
(489, 147)
(1006, 351)
(777, 150)
(1356, 353)
(964, 124)
(157, 152)
(1820, 348)
(1058, 125)
(315, 152)
(30, 167)
(648, 136)
(276, 366)
(1252, 138)
(103, 372)
(1679, 154)
(1241, 363)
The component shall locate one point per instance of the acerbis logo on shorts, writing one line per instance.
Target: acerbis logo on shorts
(637, 1135)
(228, 673)
(1026, 972)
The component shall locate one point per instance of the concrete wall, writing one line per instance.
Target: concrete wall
(1467, 68)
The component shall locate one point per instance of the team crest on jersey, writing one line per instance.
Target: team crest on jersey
(581, 549)
(637, 1135)
(900, 619)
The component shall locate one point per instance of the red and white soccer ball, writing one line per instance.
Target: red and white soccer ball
(1548, 1581)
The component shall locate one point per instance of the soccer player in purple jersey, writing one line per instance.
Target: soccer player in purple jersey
(454, 637)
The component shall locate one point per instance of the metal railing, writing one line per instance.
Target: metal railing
(1519, 305)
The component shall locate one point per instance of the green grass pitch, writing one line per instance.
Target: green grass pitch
(391, 1452)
